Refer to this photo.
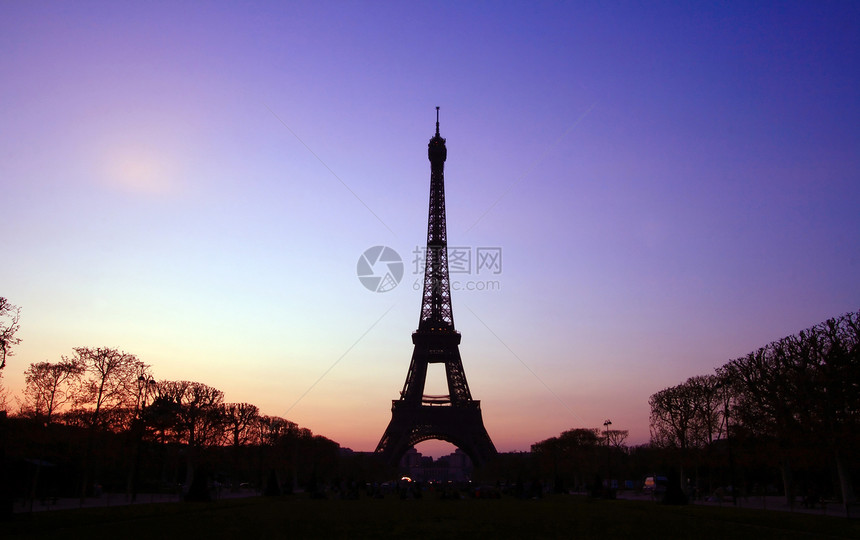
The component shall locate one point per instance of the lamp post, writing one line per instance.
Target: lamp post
(606, 425)
(729, 449)
(725, 386)
(144, 384)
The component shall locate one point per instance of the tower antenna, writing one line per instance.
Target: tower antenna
(437, 121)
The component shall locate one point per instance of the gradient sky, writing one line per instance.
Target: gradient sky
(671, 187)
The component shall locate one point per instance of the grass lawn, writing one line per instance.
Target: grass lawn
(301, 517)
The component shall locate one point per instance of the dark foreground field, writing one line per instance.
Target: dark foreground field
(301, 517)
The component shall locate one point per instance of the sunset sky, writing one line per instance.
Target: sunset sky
(669, 187)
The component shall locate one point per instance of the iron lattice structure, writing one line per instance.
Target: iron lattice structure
(454, 417)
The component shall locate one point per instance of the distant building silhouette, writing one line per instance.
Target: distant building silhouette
(456, 467)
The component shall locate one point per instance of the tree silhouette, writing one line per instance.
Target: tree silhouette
(106, 393)
(239, 423)
(195, 411)
(571, 458)
(49, 386)
(803, 391)
(109, 381)
(673, 417)
(9, 317)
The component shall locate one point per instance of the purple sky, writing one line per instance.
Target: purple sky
(670, 187)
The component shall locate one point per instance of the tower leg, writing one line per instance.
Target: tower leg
(462, 426)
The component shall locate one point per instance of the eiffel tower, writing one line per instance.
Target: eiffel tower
(455, 417)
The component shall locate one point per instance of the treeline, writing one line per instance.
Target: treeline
(786, 416)
(791, 406)
(596, 461)
(580, 459)
(98, 419)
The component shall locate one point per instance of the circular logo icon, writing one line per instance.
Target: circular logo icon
(380, 269)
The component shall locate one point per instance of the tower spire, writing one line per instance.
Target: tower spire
(436, 310)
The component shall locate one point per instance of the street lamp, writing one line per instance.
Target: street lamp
(138, 425)
(606, 425)
(143, 386)
(725, 386)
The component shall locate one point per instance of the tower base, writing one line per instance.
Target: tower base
(461, 425)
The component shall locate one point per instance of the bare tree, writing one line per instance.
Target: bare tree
(49, 386)
(705, 390)
(198, 418)
(675, 421)
(688, 415)
(616, 437)
(239, 421)
(837, 350)
(802, 391)
(163, 414)
(767, 404)
(673, 417)
(269, 429)
(9, 317)
(110, 380)
(572, 458)
(196, 412)
(269, 433)
(104, 397)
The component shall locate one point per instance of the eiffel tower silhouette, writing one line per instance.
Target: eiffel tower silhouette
(455, 417)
